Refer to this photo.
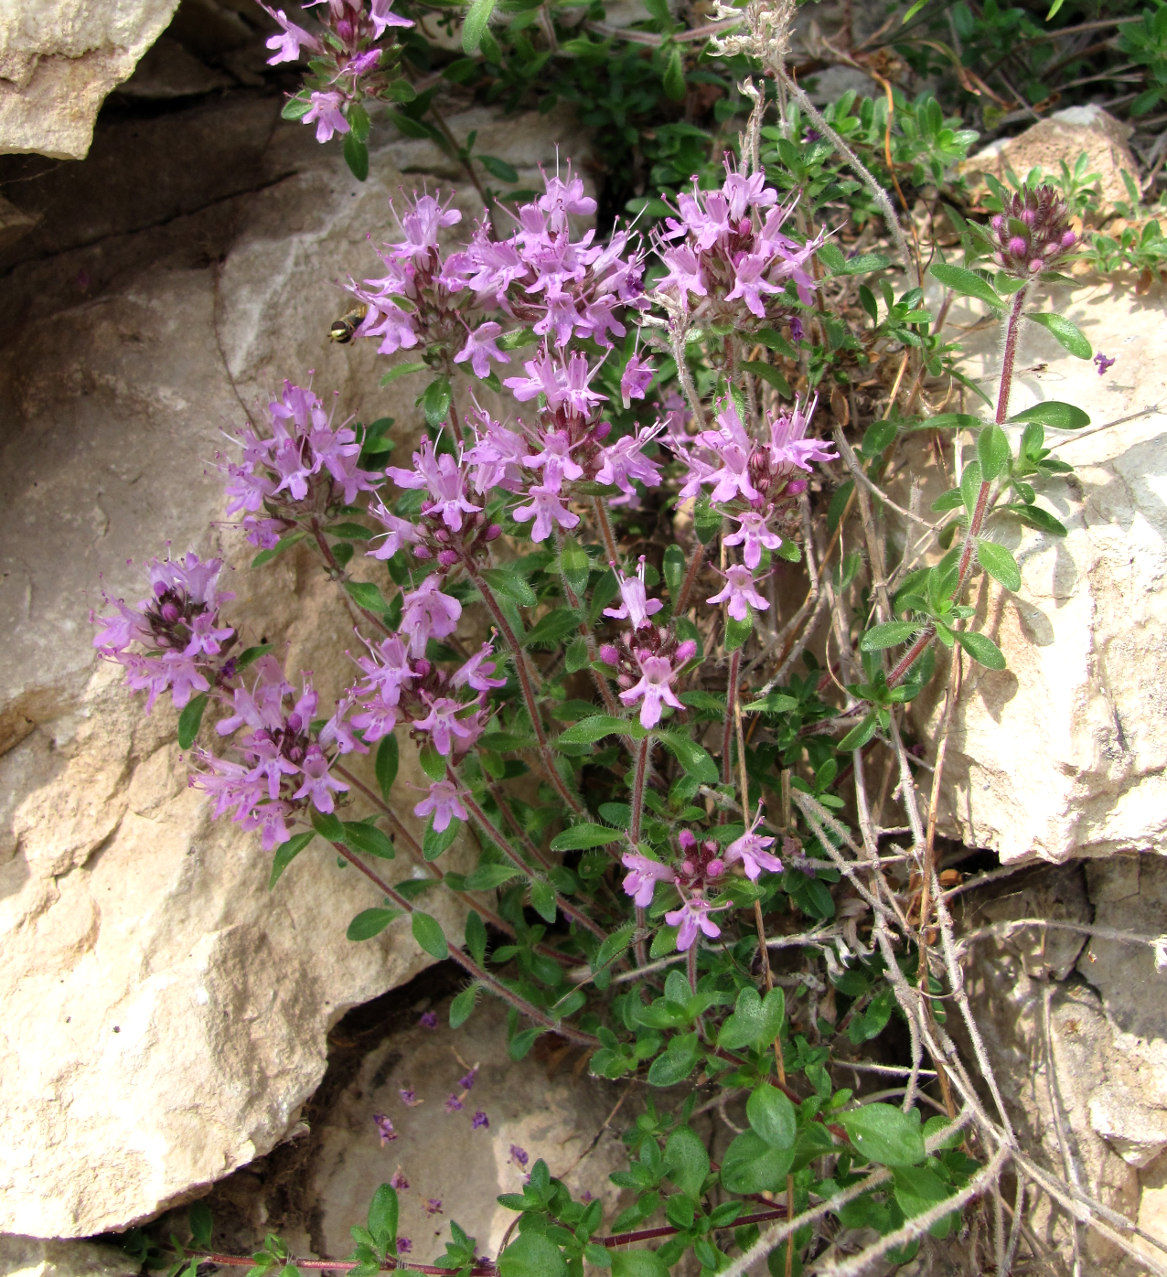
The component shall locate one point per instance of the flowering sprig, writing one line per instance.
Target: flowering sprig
(351, 62)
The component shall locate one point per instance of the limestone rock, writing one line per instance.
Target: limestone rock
(1065, 135)
(58, 61)
(1049, 1044)
(164, 1017)
(33, 1257)
(1064, 753)
(1076, 1028)
(559, 1115)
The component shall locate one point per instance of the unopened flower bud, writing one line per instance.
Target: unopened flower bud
(686, 651)
(447, 558)
(609, 655)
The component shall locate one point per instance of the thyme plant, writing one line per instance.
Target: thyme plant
(663, 785)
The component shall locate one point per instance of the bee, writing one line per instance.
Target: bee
(345, 327)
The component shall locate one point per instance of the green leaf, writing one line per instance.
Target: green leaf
(1055, 414)
(966, 282)
(981, 649)
(476, 937)
(695, 760)
(768, 373)
(861, 263)
(971, 481)
(383, 1216)
(993, 452)
(498, 168)
(772, 1116)
(638, 1263)
(889, 634)
(884, 1135)
(403, 370)
(754, 1022)
(1036, 517)
(918, 1189)
(532, 1254)
(1068, 334)
(860, 734)
(370, 922)
(296, 108)
(673, 76)
(366, 595)
(999, 563)
(474, 24)
(676, 1062)
(385, 764)
(366, 838)
(596, 728)
(509, 582)
(580, 837)
(674, 570)
(575, 565)
(543, 899)
(686, 1160)
(434, 401)
(199, 1219)
(462, 1006)
(190, 719)
(774, 703)
(434, 844)
(356, 156)
(750, 1165)
(551, 629)
(427, 931)
(487, 877)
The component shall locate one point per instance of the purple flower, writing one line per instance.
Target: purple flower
(691, 917)
(384, 1127)
(635, 379)
(479, 1122)
(466, 1082)
(478, 671)
(379, 11)
(433, 1206)
(318, 785)
(179, 627)
(428, 613)
(407, 1093)
(449, 734)
(643, 876)
(624, 460)
(753, 535)
(1103, 362)
(636, 607)
(750, 849)
(453, 1104)
(428, 1020)
(404, 1245)
(546, 509)
(518, 1156)
(398, 1181)
(738, 593)
(287, 46)
(481, 347)
(445, 804)
(325, 110)
(654, 689)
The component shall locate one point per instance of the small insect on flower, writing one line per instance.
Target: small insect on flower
(344, 329)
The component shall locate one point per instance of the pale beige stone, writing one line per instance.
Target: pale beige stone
(163, 1017)
(59, 59)
(1064, 753)
(1065, 135)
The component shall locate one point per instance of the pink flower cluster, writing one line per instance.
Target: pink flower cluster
(347, 66)
(305, 465)
(727, 246)
(284, 767)
(702, 865)
(174, 641)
